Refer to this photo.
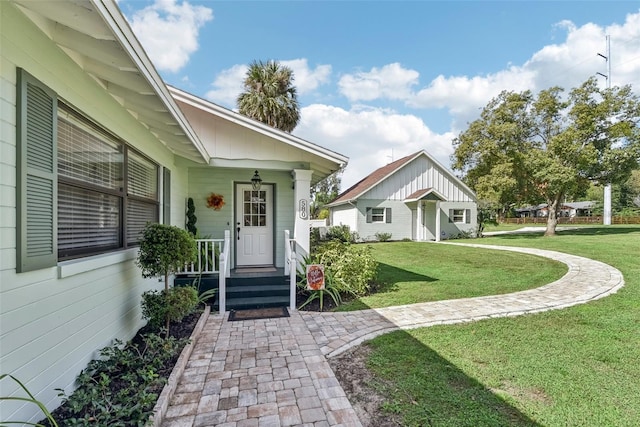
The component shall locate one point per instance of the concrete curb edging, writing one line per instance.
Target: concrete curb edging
(169, 389)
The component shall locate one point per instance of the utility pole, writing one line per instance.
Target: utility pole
(606, 220)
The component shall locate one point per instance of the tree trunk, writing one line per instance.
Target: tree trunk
(552, 218)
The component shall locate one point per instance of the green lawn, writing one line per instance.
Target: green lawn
(418, 272)
(578, 366)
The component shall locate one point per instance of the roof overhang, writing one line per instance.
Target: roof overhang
(428, 194)
(321, 160)
(97, 37)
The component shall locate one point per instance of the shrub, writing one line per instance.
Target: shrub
(122, 386)
(163, 250)
(331, 289)
(383, 237)
(352, 267)
(171, 305)
(342, 233)
(191, 217)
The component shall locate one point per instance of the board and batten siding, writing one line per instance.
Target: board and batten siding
(225, 139)
(420, 173)
(206, 180)
(54, 320)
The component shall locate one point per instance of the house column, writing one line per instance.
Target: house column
(438, 225)
(301, 200)
(419, 237)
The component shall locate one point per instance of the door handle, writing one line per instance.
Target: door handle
(238, 229)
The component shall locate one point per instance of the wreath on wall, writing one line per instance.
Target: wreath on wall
(215, 201)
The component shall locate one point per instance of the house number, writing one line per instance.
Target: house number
(303, 209)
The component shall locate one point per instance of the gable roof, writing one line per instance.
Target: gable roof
(368, 182)
(326, 161)
(96, 35)
(424, 193)
(380, 174)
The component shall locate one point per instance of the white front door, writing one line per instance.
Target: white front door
(254, 225)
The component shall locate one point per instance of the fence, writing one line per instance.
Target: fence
(574, 220)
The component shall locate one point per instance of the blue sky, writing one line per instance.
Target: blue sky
(381, 79)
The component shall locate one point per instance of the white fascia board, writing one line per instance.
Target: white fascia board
(113, 17)
(257, 126)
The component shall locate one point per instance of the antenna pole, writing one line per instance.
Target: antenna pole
(606, 220)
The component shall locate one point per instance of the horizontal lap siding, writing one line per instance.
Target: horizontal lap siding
(206, 180)
(401, 220)
(346, 214)
(50, 327)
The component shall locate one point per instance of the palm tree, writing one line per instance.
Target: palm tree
(269, 95)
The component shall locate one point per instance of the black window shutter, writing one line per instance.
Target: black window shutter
(450, 215)
(388, 215)
(37, 181)
(467, 216)
(166, 196)
(369, 212)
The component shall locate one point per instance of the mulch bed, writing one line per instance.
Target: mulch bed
(177, 330)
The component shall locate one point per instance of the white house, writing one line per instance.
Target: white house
(93, 145)
(414, 197)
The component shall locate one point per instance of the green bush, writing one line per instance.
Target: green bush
(383, 237)
(164, 249)
(122, 386)
(172, 305)
(352, 267)
(191, 217)
(342, 233)
(331, 288)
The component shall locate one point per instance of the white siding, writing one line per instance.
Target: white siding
(400, 226)
(421, 173)
(206, 180)
(345, 215)
(226, 139)
(50, 327)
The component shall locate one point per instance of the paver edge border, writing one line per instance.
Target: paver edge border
(162, 404)
(617, 279)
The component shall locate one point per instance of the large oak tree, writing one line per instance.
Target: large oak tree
(532, 149)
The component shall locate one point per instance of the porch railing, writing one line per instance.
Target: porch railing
(213, 257)
(225, 272)
(208, 261)
(290, 267)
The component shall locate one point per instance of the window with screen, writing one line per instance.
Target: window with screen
(107, 192)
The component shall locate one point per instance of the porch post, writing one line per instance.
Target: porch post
(301, 199)
(418, 221)
(438, 225)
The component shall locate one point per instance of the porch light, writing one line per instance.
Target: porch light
(256, 181)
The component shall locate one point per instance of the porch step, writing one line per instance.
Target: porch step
(257, 292)
(247, 292)
(244, 303)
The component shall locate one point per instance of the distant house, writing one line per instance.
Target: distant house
(414, 197)
(93, 146)
(569, 209)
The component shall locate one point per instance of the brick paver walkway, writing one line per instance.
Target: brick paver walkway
(274, 372)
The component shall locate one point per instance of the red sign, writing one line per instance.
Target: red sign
(315, 277)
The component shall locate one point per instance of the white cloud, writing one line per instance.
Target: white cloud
(169, 31)
(566, 64)
(391, 81)
(227, 85)
(306, 79)
(370, 137)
